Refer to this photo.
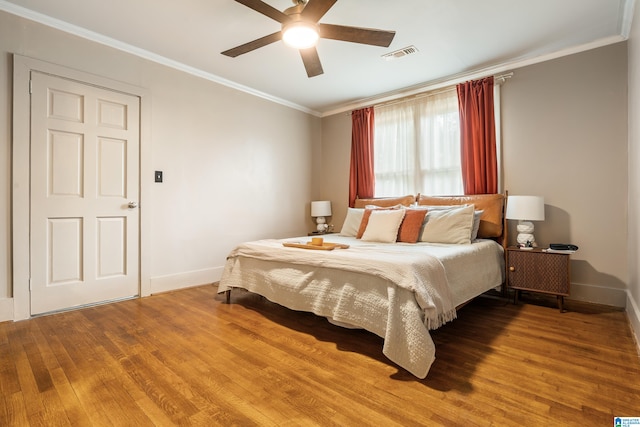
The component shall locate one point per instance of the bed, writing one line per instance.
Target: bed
(402, 266)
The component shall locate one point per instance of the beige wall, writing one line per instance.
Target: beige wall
(236, 167)
(336, 157)
(633, 257)
(564, 128)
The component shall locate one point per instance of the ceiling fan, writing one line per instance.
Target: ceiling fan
(302, 19)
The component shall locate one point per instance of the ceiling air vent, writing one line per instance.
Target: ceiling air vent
(400, 53)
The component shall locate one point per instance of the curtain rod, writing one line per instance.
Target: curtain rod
(502, 77)
(416, 96)
(498, 79)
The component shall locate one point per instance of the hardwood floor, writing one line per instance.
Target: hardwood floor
(186, 358)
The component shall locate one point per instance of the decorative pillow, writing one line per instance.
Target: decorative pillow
(476, 224)
(363, 224)
(398, 206)
(440, 207)
(383, 225)
(352, 222)
(365, 217)
(449, 226)
(411, 226)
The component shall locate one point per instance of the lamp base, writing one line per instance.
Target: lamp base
(525, 234)
(322, 224)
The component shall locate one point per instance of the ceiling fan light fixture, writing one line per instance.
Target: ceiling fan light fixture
(300, 34)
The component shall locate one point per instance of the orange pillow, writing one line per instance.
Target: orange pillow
(411, 225)
(363, 224)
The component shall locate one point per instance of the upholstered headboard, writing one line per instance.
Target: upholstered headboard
(385, 202)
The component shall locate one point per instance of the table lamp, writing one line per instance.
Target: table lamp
(525, 209)
(319, 210)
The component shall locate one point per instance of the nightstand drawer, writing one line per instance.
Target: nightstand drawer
(539, 271)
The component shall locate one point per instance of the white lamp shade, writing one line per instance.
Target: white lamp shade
(321, 208)
(530, 208)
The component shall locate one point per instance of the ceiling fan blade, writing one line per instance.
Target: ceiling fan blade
(357, 35)
(265, 9)
(311, 61)
(315, 9)
(248, 47)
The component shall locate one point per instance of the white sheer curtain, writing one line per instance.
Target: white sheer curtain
(417, 146)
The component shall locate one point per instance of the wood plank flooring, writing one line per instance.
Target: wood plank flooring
(186, 358)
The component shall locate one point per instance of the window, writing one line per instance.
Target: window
(417, 146)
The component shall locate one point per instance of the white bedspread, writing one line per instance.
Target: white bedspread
(397, 291)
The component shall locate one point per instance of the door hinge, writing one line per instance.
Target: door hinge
(30, 289)
(30, 87)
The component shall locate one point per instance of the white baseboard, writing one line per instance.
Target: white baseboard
(598, 295)
(6, 309)
(611, 297)
(633, 313)
(188, 279)
(158, 285)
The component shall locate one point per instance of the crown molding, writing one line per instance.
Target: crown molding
(142, 53)
(472, 75)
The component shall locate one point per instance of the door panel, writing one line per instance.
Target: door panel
(84, 173)
(65, 250)
(112, 162)
(65, 166)
(112, 241)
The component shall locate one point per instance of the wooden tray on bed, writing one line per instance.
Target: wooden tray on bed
(326, 246)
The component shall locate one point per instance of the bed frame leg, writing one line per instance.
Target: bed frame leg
(227, 295)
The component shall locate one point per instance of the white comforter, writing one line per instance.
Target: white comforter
(397, 291)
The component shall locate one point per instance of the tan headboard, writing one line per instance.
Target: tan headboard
(385, 202)
(492, 219)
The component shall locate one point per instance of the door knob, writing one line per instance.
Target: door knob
(132, 205)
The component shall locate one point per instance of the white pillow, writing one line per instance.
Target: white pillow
(476, 217)
(449, 226)
(384, 207)
(441, 207)
(383, 225)
(352, 222)
(476, 224)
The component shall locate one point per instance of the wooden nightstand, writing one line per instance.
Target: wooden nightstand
(538, 271)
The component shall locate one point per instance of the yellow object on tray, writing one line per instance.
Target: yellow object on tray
(326, 246)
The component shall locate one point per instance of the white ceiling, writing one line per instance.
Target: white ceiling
(456, 39)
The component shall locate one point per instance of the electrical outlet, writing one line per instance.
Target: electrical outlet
(158, 176)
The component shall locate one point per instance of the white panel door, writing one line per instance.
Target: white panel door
(84, 184)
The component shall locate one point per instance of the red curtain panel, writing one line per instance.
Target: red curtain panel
(361, 175)
(478, 137)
